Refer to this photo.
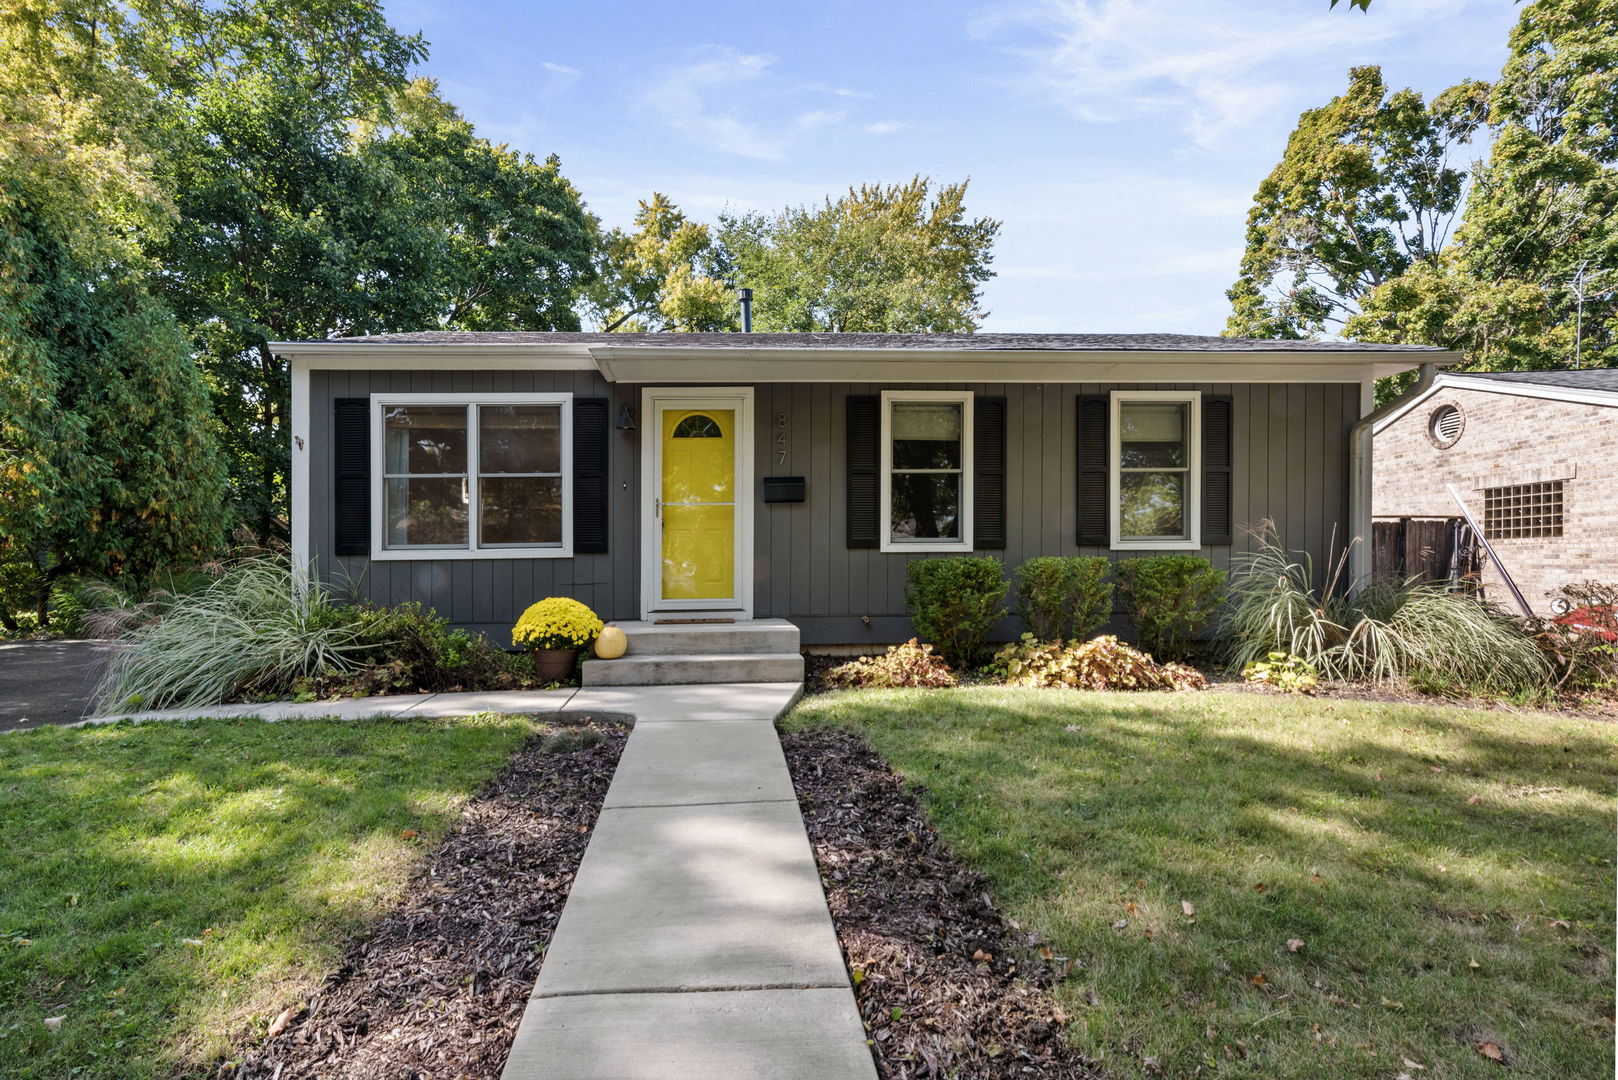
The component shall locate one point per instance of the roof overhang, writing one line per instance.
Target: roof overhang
(1447, 381)
(677, 365)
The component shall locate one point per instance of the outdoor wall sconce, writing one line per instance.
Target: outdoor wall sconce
(626, 417)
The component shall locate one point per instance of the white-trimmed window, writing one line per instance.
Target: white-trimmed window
(1155, 469)
(927, 470)
(471, 476)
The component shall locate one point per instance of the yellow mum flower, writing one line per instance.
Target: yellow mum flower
(556, 622)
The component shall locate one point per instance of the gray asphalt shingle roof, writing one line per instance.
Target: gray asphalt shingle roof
(1585, 379)
(969, 342)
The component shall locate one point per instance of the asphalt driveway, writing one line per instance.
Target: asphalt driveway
(49, 682)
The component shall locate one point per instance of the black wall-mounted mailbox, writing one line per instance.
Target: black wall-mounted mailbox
(784, 489)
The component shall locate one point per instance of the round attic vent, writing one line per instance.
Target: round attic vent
(1444, 426)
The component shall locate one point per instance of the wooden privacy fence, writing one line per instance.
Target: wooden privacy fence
(1424, 548)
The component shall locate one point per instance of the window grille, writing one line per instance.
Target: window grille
(1522, 511)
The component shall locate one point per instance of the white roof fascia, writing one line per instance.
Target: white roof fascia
(405, 356)
(678, 365)
(671, 364)
(1577, 395)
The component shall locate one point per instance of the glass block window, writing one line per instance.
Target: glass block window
(1522, 511)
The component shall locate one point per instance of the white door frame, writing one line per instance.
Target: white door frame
(652, 400)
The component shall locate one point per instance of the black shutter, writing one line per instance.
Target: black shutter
(864, 469)
(989, 473)
(590, 475)
(351, 482)
(1217, 524)
(1094, 524)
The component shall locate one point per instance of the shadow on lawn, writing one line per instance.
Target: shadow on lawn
(1451, 879)
(168, 878)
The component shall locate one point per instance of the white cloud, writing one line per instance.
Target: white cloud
(818, 118)
(681, 97)
(1220, 63)
(562, 78)
(883, 127)
(742, 103)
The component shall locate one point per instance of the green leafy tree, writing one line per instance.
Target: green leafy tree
(321, 193)
(107, 461)
(880, 259)
(1542, 215)
(663, 275)
(1363, 192)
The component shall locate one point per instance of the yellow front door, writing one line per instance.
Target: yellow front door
(697, 504)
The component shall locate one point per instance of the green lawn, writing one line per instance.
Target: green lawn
(1449, 873)
(167, 888)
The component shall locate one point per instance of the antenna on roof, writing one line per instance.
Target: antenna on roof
(1580, 285)
(747, 309)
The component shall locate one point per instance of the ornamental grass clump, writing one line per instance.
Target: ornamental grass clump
(1103, 663)
(909, 665)
(557, 622)
(254, 631)
(1393, 630)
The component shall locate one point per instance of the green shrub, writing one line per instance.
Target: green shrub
(1582, 644)
(1402, 630)
(1170, 599)
(1104, 663)
(1284, 671)
(1062, 598)
(909, 665)
(423, 652)
(954, 602)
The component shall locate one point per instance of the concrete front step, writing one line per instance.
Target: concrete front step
(689, 639)
(677, 670)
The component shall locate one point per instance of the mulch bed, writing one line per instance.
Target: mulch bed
(435, 990)
(947, 985)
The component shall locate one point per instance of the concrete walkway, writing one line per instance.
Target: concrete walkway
(695, 942)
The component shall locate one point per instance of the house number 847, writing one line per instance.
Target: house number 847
(780, 438)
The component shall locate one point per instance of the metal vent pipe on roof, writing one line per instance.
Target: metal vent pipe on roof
(747, 309)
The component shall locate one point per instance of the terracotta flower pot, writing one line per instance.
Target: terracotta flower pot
(554, 665)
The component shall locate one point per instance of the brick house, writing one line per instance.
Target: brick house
(1533, 454)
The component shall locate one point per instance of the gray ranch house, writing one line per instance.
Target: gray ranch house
(780, 483)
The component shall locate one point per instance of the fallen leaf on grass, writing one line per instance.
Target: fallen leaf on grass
(1294, 944)
(1258, 980)
(1129, 906)
(54, 1023)
(1473, 799)
(1120, 924)
(1412, 1065)
(1259, 886)
(409, 834)
(1491, 1051)
(1189, 908)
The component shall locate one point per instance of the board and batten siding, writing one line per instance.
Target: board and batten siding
(1289, 464)
(1290, 444)
(482, 594)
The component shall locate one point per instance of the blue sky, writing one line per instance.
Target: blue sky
(1120, 141)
